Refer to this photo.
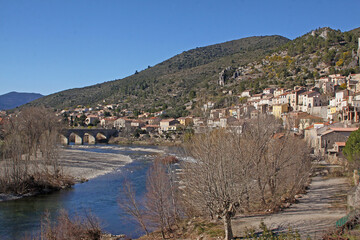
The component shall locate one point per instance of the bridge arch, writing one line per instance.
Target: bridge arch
(89, 138)
(76, 138)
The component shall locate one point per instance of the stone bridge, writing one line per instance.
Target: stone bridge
(82, 135)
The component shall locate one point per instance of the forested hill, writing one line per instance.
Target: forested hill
(172, 83)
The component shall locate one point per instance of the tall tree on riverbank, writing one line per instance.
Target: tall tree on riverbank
(128, 202)
(160, 210)
(161, 197)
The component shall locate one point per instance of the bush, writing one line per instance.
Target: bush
(66, 228)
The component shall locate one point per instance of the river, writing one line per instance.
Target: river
(98, 196)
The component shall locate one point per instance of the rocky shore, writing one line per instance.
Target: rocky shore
(85, 165)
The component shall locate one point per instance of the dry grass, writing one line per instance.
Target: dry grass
(195, 228)
(66, 228)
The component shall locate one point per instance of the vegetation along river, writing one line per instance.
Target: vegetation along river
(98, 196)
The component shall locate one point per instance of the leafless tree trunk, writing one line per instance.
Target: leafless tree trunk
(160, 197)
(128, 203)
(213, 182)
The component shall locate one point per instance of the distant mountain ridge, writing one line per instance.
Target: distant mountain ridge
(14, 99)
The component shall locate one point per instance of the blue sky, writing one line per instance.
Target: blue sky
(51, 45)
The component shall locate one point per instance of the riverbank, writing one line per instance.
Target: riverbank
(99, 195)
(78, 165)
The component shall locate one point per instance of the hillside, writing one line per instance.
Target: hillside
(318, 53)
(168, 84)
(219, 72)
(14, 99)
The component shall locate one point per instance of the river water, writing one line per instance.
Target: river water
(98, 196)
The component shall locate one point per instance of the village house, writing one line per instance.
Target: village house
(107, 122)
(154, 121)
(218, 113)
(327, 139)
(185, 121)
(109, 107)
(308, 100)
(275, 101)
(268, 91)
(255, 97)
(294, 99)
(213, 122)
(254, 114)
(198, 122)
(307, 120)
(156, 114)
(338, 79)
(228, 122)
(246, 93)
(279, 110)
(144, 115)
(168, 124)
(353, 82)
(350, 110)
(207, 106)
(137, 123)
(122, 123)
(311, 133)
(279, 91)
(327, 87)
(298, 121)
(91, 119)
(340, 96)
(285, 98)
(335, 155)
(320, 81)
(319, 111)
(150, 128)
(233, 112)
(267, 99)
(245, 110)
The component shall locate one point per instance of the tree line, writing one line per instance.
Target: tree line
(30, 152)
(255, 167)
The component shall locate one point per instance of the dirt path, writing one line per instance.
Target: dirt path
(317, 211)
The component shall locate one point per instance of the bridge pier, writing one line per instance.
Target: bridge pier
(64, 140)
(91, 139)
(79, 140)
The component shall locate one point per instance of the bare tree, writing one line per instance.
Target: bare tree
(161, 197)
(160, 209)
(30, 146)
(66, 228)
(214, 183)
(127, 201)
(230, 170)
